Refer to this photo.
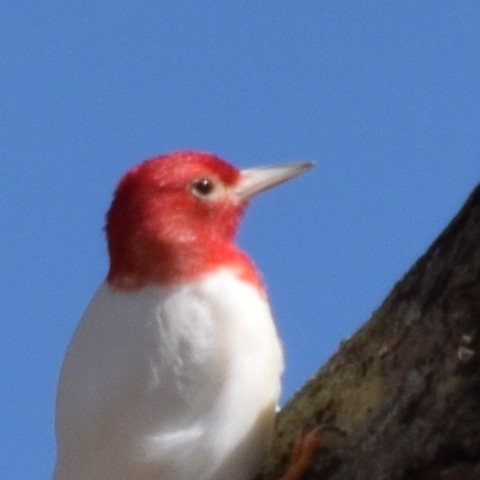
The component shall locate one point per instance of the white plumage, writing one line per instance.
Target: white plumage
(170, 383)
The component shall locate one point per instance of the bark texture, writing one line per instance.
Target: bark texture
(401, 399)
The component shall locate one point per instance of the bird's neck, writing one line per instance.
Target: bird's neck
(169, 265)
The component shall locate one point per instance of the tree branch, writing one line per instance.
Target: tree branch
(404, 392)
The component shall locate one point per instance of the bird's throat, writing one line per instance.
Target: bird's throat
(171, 265)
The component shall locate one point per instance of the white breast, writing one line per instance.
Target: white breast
(169, 384)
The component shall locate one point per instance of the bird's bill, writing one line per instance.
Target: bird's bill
(259, 179)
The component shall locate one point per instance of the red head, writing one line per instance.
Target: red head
(174, 217)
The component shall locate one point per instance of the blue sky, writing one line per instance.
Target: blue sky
(384, 96)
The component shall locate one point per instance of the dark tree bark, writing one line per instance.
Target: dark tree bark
(401, 399)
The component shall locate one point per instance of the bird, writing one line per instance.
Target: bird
(174, 371)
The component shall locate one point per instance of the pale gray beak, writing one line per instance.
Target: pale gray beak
(258, 179)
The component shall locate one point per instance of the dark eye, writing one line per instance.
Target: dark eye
(203, 187)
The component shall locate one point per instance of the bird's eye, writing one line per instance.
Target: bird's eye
(203, 187)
